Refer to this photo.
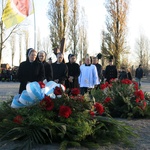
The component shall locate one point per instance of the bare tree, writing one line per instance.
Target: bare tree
(74, 26)
(116, 24)
(83, 41)
(46, 44)
(142, 51)
(58, 16)
(3, 36)
(39, 40)
(20, 49)
(13, 47)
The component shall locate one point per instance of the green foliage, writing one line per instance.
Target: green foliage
(125, 99)
(36, 125)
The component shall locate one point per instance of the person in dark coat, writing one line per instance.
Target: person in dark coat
(98, 66)
(123, 74)
(41, 57)
(139, 74)
(30, 70)
(60, 70)
(110, 71)
(129, 74)
(73, 73)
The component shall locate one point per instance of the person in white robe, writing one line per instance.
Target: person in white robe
(88, 78)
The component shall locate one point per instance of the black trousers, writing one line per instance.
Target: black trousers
(84, 90)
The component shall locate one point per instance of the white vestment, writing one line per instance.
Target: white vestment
(88, 76)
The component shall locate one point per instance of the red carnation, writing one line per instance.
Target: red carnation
(99, 107)
(126, 81)
(47, 103)
(92, 113)
(143, 105)
(103, 86)
(107, 100)
(140, 94)
(57, 91)
(42, 85)
(137, 100)
(65, 111)
(136, 87)
(75, 91)
(112, 80)
(18, 119)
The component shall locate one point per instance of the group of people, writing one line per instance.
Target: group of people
(8, 74)
(70, 74)
(85, 76)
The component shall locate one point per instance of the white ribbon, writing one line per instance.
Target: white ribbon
(34, 94)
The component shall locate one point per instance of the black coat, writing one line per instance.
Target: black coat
(129, 75)
(29, 72)
(99, 70)
(123, 75)
(139, 73)
(48, 71)
(73, 70)
(110, 72)
(60, 71)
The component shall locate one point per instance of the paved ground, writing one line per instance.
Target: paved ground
(8, 89)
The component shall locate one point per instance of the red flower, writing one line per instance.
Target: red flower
(107, 84)
(47, 103)
(103, 86)
(65, 111)
(140, 94)
(57, 91)
(18, 119)
(143, 105)
(136, 87)
(75, 91)
(137, 100)
(126, 81)
(112, 80)
(107, 100)
(42, 85)
(92, 113)
(99, 108)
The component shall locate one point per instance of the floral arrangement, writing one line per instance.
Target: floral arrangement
(44, 113)
(123, 99)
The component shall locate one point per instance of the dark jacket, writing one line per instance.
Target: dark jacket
(60, 71)
(123, 75)
(110, 72)
(99, 70)
(129, 75)
(29, 72)
(139, 73)
(73, 70)
(48, 71)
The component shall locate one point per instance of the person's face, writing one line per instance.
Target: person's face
(95, 61)
(73, 59)
(87, 61)
(60, 58)
(41, 57)
(110, 63)
(32, 56)
(22, 6)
